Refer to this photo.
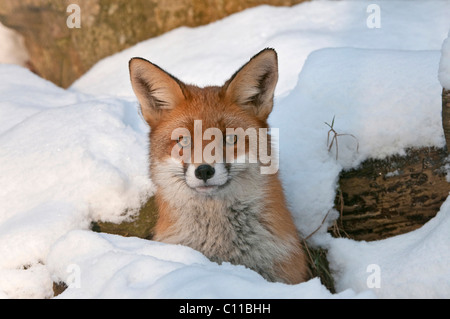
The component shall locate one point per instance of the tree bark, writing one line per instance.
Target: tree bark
(393, 196)
(446, 116)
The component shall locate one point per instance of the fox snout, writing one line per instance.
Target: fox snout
(207, 178)
(204, 172)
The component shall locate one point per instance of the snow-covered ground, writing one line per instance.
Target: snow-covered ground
(69, 157)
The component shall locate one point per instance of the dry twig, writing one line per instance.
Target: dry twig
(334, 139)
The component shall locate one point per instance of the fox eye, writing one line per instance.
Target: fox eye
(184, 141)
(231, 139)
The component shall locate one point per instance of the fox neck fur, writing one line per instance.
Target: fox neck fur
(236, 227)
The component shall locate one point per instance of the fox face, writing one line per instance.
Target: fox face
(207, 141)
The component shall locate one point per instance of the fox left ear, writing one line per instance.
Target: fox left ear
(252, 87)
(156, 90)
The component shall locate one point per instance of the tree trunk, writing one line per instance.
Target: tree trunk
(393, 196)
(446, 115)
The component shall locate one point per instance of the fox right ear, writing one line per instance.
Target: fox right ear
(253, 86)
(155, 89)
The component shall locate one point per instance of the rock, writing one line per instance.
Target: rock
(62, 54)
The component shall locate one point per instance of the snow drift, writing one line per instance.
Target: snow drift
(70, 157)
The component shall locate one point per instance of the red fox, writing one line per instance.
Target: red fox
(222, 205)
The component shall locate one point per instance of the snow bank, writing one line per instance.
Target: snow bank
(295, 32)
(370, 93)
(389, 100)
(69, 149)
(444, 65)
(65, 160)
(412, 265)
(109, 266)
(68, 157)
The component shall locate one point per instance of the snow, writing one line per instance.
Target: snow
(65, 160)
(415, 264)
(376, 84)
(111, 266)
(444, 65)
(70, 157)
(294, 32)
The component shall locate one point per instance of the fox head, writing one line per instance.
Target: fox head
(203, 140)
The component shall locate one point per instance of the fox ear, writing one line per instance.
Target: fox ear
(253, 86)
(155, 89)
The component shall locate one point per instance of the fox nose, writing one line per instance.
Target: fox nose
(204, 172)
